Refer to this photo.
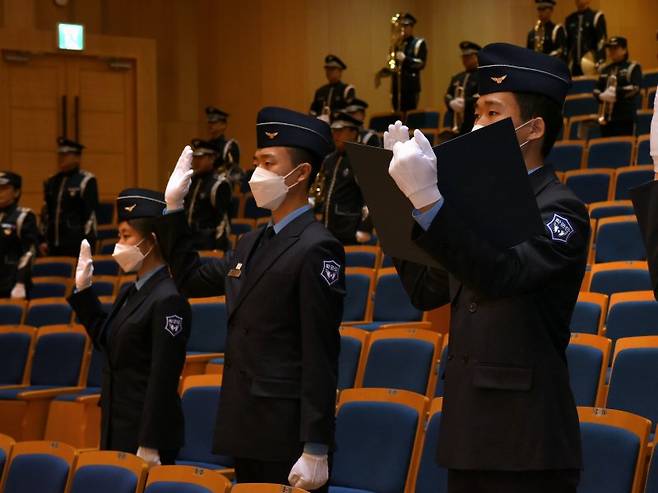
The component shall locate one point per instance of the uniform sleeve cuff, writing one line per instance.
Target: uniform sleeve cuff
(316, 448)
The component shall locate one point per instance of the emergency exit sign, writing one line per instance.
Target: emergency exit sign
(70, 36)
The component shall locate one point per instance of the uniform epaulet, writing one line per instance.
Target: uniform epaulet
(417, 46)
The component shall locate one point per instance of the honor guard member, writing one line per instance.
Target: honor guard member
(367, 136)
(335, 95)
(509, 418)
(343, 209)
(19, 237)
(586, 35)
(548, 37)
(412, 55)
(228, 156)
(208, 202)
(617, 89)
(284, 288)
(463, 89)
(70, 201)
(143, 337)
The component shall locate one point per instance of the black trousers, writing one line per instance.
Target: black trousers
(616, 128)
(552, 481)
(258, 471)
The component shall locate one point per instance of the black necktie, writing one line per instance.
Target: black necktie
(265, 239)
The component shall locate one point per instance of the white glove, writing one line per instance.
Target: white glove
(457, 105)
(179, 181)
(400, 56)
(395, 133)
(413, 168)
(18, 292)
(150, 455)
(609, 95)
(362, 237)
(325, 118)
(310, 472)
(653, 142)
(85, 268)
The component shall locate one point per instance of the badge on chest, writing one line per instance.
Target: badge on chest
(236, 272)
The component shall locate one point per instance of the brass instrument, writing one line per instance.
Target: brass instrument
(606, 108)
(458, 116)
(317, 193)
(540, 34)
(588, 64)
(392, 67)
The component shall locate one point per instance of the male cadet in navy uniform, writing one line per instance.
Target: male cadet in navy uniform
(509, 419)
(412, 55)
(335, 95)
(547, 37)
(284, 288)
(228, 156)
(71, 198)
(343, 209)
(19, 237)
(367, 136)
(623, 97)
(586, 34)
(208, 202)
(465, 82)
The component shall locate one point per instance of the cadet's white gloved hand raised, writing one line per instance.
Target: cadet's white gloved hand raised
(18, 292)
(413, 168)
(609, 95)
(150, 455)
(653, 143)
(395, 133)
(457, 105)
(310, 472)
(85, 268)
(179, 181)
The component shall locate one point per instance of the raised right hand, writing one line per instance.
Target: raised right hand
(179, 181)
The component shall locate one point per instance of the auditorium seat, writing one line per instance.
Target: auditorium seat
(423, 119)
(362, 256)
(6, 446)
(618, 277)
(50, 287)
(104, 285)
(440, 372)
(105, 265)
(105, 246)
(585, 127)
(208, 333)
(632, 314)
(634, 377)
(619, 238)
(105, 213)
(402, 359)
(352, 348)
(610, 152)
(48, 311)
(379, 122)
(185, 479)
(108, 472)
(589, 313)
(242, 226)
(590, 185)
(642, 155)
(106, 231)
(650, 78)
(583, 84)
(566, 155)
(614, 447)
(631, 177)
(429, 477)
(610, 208)
(39, 466)
(12, 311)
(587, 360)
(359, 286)
(16, 344)
(643, 122)
(580, 105)
(54, 266)
(651, 485)
(377, 431)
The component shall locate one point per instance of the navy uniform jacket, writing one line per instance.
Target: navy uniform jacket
(629, 82)
(336, 96)
(19, 236)
(555, 40)
(69, 213)
(207, 206)
(144, 345)
(228, 158)
(415, 50)
(469, 81)
(508, 404)
(284, 305)
(645, 203)
(586, 31)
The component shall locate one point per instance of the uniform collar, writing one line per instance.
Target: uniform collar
(139, 283)
(278, 227)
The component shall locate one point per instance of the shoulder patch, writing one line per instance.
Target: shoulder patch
(174, 325)
(560, 228)
(330, 271)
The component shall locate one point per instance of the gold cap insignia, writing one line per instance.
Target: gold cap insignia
(130, 207)
(499, 80)
(271, 135)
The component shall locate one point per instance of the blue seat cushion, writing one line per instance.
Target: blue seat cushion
(217, 361)
(204, 465)
(12, 394)
(82, 393)
(37, 472)
(104, 479)
(173, 487)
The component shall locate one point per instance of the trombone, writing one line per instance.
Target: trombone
(606, 108)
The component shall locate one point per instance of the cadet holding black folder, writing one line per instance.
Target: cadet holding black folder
(509, 418)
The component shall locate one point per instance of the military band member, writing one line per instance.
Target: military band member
(618, 94)
(412, 55)
(143, 337)
(367, 136)
(336, 94)
(343, 209)
(509, 419)
(228, 157)
(586, 35)
(462, 92)
(19, 237)
(284, 288)
(548, 37)
(70, 201)
(208, 202)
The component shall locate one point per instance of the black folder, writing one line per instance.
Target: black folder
(483, 176)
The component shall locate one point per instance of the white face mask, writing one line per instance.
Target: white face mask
(129, 257)
(268, 188)
(477, 126)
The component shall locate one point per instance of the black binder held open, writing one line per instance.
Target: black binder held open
(483, 176)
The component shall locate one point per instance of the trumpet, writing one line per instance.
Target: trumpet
(540, 34)
(606, 108)
(458, 116)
